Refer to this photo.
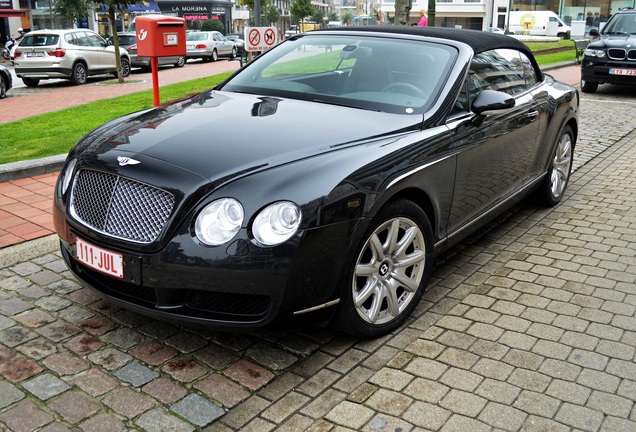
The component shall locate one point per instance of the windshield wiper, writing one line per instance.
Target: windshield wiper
(322, 101)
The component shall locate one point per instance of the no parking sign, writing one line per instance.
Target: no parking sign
(260, 38)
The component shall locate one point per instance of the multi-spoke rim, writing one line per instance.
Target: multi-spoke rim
(80, 74)
(561, 165)
(389, 271)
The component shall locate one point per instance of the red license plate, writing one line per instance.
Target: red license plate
(617, 71)
(102, 260)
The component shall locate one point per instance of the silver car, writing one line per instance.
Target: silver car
(209, 46)
(73, 54)
(128, 41)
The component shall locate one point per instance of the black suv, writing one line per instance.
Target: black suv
(611, 57)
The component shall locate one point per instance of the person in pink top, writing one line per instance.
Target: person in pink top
(423, 22)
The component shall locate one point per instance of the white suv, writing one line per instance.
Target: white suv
(74, 54)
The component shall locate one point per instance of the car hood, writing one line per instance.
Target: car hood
(221, 135)
(615, 41)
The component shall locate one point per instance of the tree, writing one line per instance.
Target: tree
(273, 15)
(213, 25)
(250, 3)
(115, 5)
(301, 9)
(347, 18)
(402, 11)
(333, 16)
(318, 16)
(72, 9)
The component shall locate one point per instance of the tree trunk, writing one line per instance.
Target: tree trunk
(113, 29)
(402, 10)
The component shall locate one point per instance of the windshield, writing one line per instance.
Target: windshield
(371, 72)
(621, 24)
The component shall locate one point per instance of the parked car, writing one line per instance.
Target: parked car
(611, 56)
(495, 30)
(128, 41)
(5, 81)
(238, 40)
(73, 54)
(292, 30)
(347, 178)
(209, 46)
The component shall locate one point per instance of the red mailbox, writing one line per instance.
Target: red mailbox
(160, 36)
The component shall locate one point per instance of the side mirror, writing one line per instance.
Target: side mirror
(594, 32)
(491, 101)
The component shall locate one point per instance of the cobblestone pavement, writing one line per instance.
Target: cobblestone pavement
(531, 325)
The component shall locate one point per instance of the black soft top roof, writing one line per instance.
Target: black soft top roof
(479, 41)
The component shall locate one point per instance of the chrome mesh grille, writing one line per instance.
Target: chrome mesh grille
(120, 207)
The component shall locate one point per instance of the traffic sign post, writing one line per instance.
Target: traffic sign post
(260, 38)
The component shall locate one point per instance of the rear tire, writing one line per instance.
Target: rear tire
(31, 82)
(79, 75)
(215, 56)
(125, 67)
(181, 61)
(588, 87)
(3, 88)
(388, 273)
(557, 178)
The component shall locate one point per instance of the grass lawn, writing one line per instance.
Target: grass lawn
(56, 132)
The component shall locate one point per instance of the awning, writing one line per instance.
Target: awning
(8, 13)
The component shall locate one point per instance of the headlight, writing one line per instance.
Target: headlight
(67, 175)
(276, 223)
(219, 221)
(594, 53)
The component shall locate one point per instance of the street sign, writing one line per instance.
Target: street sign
(260, 38)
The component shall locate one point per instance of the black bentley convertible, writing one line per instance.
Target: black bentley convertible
(319, 180)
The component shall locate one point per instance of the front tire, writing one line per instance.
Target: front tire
(389, 273)
(181, 61)
(588, 87)
(557, 178)
(79, 75)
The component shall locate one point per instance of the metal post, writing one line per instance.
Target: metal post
(155, 80)
(431, 13)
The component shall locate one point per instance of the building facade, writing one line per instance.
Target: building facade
(470, 14)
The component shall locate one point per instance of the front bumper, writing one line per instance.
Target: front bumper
(236, 286)
(601, 72)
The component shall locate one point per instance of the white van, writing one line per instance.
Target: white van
(536, 23)
(334, 24)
